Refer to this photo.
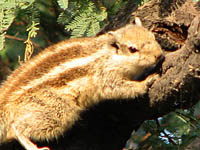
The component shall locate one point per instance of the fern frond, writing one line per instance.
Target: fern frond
(79, 25)
(8, 13)
(32, 30)
(79, 31)
(23, 4)
(63, 4)
(93, 29)
(76, 22)
(101, 16)
(87, 21)
(6, 18)
(32, 13)
(65, 17)
(2, 40)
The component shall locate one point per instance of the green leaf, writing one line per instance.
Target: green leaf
(63, 4)
(94, 28)
(6, 18)
(33, 30)
(2, 40)
(86, 21)
(23, 4)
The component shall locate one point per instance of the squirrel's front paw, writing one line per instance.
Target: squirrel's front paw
(147, 83)
(151, 79)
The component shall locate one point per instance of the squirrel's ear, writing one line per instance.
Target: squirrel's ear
(110, 32)
(138, 21)
(115, 34)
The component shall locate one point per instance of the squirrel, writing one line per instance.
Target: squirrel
(44, 97)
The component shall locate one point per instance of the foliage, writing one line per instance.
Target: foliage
(32, 32)
(6, 17)
(63, 4)
(171, 132)
(8, 10)
(83, 18)
(80, 17)
(19, 19)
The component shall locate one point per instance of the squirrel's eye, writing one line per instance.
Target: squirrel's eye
(132, 49)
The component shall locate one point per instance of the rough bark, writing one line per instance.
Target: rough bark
(108, 125)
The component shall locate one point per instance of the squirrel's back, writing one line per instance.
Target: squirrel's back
(44, 97)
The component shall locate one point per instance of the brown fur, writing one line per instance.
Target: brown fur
(44, 97)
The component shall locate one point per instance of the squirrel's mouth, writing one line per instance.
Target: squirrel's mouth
(157, 68)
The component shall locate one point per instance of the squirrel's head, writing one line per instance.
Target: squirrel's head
(134, 50)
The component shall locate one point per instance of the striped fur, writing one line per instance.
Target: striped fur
(44, 97)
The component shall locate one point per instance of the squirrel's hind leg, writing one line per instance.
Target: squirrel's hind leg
(26, 142)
